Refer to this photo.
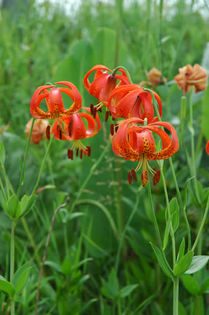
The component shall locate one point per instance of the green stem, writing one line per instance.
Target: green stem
(2, 189)
(201, 226)
(187, 227)
(104, 210)
(32, 242)
(125, 229)
(50, 165)
(157, 230)
(5, 178)
(182, 118)
(42, 164)
(24, 160)
(181, 203)
(175, 296)
(194, 173)
(12, 261)
(94, 166)
(160, 34)
(170, 218)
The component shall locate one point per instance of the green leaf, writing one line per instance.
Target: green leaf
(190, 284)
(166, 235)
(198, 262)
(125, 291)
(2, 153)
(13, 207)
(26, 203)
(21, 276)
(205, 286)
(181, 249)
(183, 263)
(174, 207)
(110, 288)
(162, 261)
(104, 45)
(7, 287)
(205, 113)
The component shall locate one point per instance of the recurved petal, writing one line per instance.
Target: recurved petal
(74, 95)
(86, 81)
(121, 140)
(170, 147)
(36, 100)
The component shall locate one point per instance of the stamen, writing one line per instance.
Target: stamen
(76, 152)
(144, 178)
(70, 154)
(94, 112)
(48, 133)
(133, 174)
(129, 177)
(106, 116)
(139, 166)
(92, 108)
(81, 154)
(88, 150)
(70, 127)
(156, 177)
(112, 129)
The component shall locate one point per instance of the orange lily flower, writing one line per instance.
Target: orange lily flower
(136, 143)
(189, 75)
(133, 101)
(54, 101)
(105, 80)
(76, 127)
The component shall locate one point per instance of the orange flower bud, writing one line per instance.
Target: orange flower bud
(155, 77)
(39, 129)
(189, 75)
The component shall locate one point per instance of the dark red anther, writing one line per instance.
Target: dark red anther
(133, 174)
(129, 177)
(76, 152)
(113, 118)
(92, 109)
(70, 127)
(100, 109)
(70, 154)
(116, 127)
(106, 116)
(88, 150)
(112, 129)
(94, 112)
(156, 177)
(81, 154)
(48, 133)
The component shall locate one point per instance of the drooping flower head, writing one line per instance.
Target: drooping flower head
(53, 97)
(192, 76)
(76, 127)
(39, 130)
(155, 77)
(136, 142)
(104, 81)
(133, 101)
